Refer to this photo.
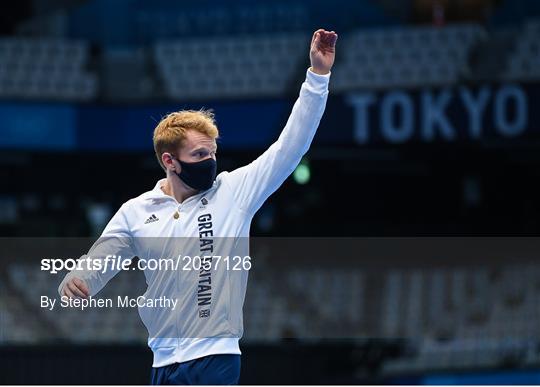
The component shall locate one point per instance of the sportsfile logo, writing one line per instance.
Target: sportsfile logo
(152, 218)
(202, 264)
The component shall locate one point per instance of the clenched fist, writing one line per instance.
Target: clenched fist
(75, 288)
(323, 51)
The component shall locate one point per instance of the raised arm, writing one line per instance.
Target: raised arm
(255, 182)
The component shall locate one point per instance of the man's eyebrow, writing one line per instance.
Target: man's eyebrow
(204, 148)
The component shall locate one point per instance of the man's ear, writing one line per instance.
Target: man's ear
(170, 162)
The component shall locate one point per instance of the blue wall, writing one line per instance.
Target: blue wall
(99, 128)
(462, 114)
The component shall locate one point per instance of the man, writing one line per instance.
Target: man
(197, 343)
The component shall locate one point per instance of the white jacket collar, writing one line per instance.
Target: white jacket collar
(157, 193)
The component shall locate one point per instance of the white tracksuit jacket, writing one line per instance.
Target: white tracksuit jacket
(182, 334)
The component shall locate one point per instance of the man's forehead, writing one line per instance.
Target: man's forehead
(196, 139)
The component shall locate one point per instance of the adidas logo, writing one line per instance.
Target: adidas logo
(152, 218)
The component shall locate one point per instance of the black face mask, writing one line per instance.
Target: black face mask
(199, 175)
